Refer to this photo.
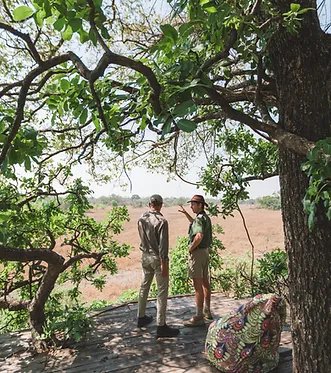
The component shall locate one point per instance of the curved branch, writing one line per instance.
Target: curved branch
(26, 37)
(111, 57)
(263, 177)
(22, 99)
(22, 255)
(71, 147)
(223, 54)
(54, 194)
(278, 135)
(76, 258)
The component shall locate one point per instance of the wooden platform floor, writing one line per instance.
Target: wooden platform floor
(117, 345)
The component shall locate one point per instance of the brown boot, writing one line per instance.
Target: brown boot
(195, 321)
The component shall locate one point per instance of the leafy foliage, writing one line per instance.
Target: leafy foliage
(88, 246)
(272, 273)
(180, 283)
(94, 83)
(270, 202)
(318, 169)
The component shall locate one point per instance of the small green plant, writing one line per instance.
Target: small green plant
(97, 304)
(67, 318)
(232, 277)
(127, 296)
(11, 321)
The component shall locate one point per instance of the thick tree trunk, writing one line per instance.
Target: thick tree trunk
(37, 306)
(300, 63)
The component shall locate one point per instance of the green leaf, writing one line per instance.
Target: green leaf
(166, 128)
(186, 29)
(96, 123)
(27, 163)
(186, 125)
(311, 220)
(328, 214)
(59, 24)
(67, 33)
(92, 37)
(22, 12)
(169, 32)
(75, 24)
(83, 36)
(65, 85)
(184, 108)
(211, 9)
(295, 7)
(83, 116)
(39, 18)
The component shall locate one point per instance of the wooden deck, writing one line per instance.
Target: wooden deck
(117, 345)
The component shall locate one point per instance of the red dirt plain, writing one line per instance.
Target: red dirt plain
(264, 226)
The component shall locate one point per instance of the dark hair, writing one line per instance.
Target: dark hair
(156, 200)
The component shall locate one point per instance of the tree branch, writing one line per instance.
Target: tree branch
(278, 135)
(13, 304)
(26, 37)
(26, 255)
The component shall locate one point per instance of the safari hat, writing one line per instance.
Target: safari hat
(199, 199)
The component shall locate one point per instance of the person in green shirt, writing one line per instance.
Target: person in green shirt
(200, 239)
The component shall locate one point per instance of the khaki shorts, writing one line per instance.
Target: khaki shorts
(198, 263)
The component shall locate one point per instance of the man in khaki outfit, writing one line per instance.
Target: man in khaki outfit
(200, 239)
(154, 236)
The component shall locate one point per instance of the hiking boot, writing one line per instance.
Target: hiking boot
(165, 331)
(195, 321)
(207, 315)
(145, 320)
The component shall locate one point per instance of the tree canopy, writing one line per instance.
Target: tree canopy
(111, 84)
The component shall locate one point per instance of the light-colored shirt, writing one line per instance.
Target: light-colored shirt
(153, 230)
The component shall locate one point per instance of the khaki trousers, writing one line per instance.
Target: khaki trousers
(151, 266)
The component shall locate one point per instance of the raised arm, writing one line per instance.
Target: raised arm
(183, 211)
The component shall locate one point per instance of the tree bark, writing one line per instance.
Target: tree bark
(36, 306)
(300, 63)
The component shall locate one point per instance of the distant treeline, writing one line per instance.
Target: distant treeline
(268, 202)
(136, 201)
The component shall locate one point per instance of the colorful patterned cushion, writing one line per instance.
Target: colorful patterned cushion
(247, 340)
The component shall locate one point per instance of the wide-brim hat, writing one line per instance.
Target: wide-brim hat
(199, 199)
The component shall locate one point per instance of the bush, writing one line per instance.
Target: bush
(269, 275)
(272, 273)
(127, 296)
(270, 202)
(180, 283)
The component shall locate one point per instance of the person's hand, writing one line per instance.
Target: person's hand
(182, 209)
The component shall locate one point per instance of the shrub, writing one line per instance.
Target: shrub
(269, 275)
(272, 273)
(180, 283)
(128, 295)
(270, 202)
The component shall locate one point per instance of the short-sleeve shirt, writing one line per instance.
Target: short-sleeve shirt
(154, 234)
(201, 224)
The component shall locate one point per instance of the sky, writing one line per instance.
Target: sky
(146, 183)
